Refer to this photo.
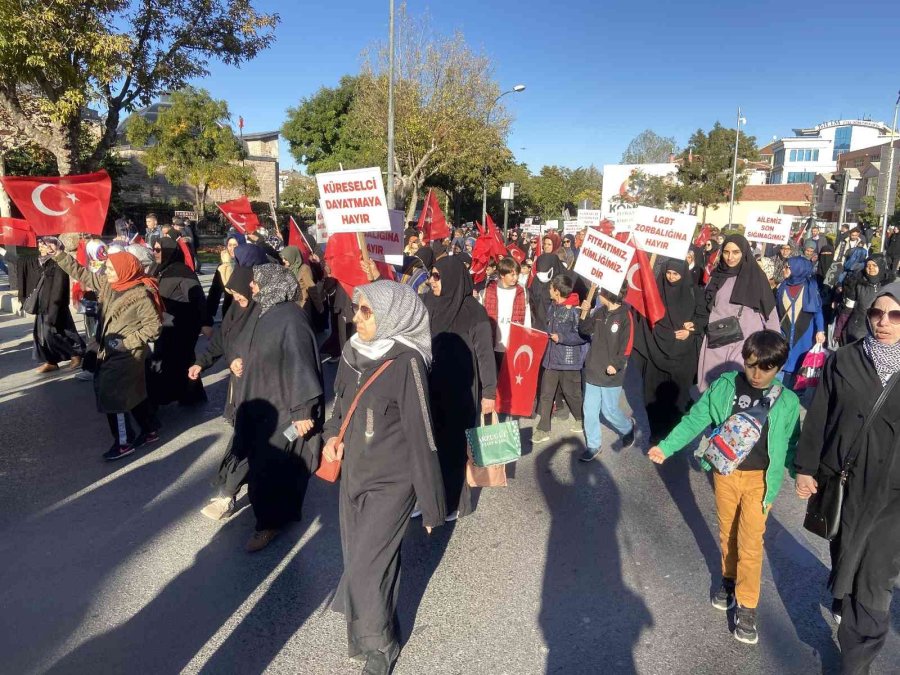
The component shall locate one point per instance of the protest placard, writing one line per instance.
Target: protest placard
(623, 220)
(571, 227)
(604, 261)
(321, 230)
(353, 201)
(529, 221)
(768, 228)
(663, 232)
(550, 225)
(589, 218)
(388, 246)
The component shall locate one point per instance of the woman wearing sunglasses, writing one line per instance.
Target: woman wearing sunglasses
(865, 555)
(389, 460)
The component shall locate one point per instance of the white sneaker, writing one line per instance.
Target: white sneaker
(417, 512)
(453, 516)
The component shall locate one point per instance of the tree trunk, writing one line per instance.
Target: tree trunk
(199, 198)
(5, 210)
(65, 148)
(413, 201)
(704, 216)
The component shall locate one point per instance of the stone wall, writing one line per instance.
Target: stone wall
(140, 187)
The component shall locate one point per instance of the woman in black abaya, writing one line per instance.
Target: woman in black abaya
(546, 267)
(667, 353)
(389, 461)
(463, 376)
(55, 336)
(185, 309)
(282, 390)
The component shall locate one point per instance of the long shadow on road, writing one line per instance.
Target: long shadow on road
(590, 619)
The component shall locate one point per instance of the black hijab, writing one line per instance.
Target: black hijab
(677, 297)
(751, 288)
(171, 260)
(426, 255)
(456, 287)
(826, 258)
(239, 282)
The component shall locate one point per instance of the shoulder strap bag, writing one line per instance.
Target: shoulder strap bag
(331, 471)
(823, 510)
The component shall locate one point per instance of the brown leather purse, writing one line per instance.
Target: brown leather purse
(331, 471)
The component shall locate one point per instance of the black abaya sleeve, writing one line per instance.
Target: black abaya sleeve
(483, 346)
(214, 350)
(216, 290)
(415, 417)
(301, 371)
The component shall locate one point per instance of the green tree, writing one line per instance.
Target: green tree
(320, 133)
(704, 173)
(192, 143)
(648, 147)
(658, 192)
(114, 54)
(301, 194)
(446, 114)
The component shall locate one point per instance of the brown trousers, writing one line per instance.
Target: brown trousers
(742, 523)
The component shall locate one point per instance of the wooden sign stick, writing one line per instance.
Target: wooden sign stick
(589, 298)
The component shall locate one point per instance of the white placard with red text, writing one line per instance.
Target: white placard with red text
(768, 228)
(604, 261)
(663, 232)
(353, 201)
(388, 246)
(321, 230)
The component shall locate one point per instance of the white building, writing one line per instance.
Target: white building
(797, 159)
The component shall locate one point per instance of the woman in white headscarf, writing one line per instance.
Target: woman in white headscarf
(389, 461)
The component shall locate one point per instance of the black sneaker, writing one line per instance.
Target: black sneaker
(144, 439)
(724, 597)
(590, 454)
(118, 452)
(628, 439)
(745, 626)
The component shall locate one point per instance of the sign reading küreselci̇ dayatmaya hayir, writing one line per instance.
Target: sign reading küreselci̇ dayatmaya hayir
(353, 201)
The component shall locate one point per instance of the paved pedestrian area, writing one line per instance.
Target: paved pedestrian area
(574, 568)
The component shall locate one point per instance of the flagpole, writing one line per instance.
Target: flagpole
(890, 177)
(390, 120)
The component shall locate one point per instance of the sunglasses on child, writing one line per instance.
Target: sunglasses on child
(363, 310)
(876, 315)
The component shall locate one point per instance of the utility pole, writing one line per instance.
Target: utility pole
(845, 185)
(737, 137)
(390, 121)
(890, 177)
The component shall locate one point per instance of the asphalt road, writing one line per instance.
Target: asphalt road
(598, 568)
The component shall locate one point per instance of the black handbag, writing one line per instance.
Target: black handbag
(725, 331)
(30, 306)
(823, 510)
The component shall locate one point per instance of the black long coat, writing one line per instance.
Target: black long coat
(390, 462)
(55, 336)
(844, 398)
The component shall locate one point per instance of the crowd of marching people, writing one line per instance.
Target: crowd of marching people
(738, 346)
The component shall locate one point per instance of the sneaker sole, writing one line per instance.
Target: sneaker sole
(589, 459)
(119, 456)
(146, 442)
(746, 641)
(725, 608)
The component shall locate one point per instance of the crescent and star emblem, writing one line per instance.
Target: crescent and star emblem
(631, 282)
(233, 218)
(36, 199)
(524, 349)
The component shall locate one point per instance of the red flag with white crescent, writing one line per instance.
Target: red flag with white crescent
(517, 380)
(343, 257)
(239, 214)
(703, 236)
(643, 293)
(432, 222)
(57, 204)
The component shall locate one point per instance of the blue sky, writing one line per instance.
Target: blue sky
(598, 73)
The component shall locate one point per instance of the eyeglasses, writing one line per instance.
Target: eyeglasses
(436, 275)
(157, 249)
(363, 310)
(876, 315)
(567, 243)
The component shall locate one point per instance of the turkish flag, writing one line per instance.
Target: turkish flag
(432, 222)
(186, 251)
(296, 238)
(643, 294)
(239, 214)
(703, 236)
(16, 232)
(710, 265)
(342, 255)
(56, 204)
(517, 380)
(516, 253)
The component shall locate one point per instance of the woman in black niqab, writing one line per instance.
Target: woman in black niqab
(547, 266)
(667, 352)
(463, 379)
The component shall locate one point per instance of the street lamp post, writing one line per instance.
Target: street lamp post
(737, 137)
(890, 177)
(390, 121)
(487, 119)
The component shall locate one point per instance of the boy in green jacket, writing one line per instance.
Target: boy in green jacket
(744, 497)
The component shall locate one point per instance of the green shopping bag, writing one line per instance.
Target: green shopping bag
(493, 444)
